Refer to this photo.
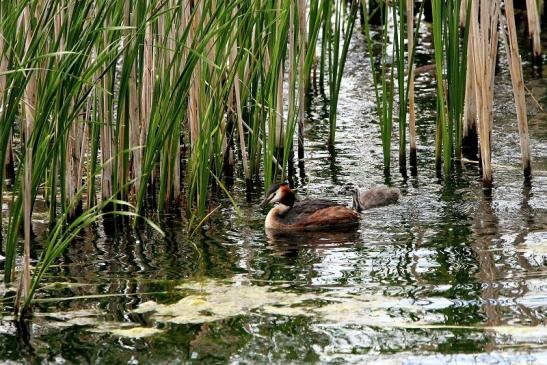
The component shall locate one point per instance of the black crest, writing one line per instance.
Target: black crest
(273, 188)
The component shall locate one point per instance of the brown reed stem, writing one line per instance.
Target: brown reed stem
(195, 90)
(484, 39)
(515, 67)
(302, 82)
(242, 144)
(29, 115)
(470, 141)
(411, 107)
(534, 28)
(279, 122)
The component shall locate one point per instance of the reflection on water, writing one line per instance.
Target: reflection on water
(290, 243)
(447, 275)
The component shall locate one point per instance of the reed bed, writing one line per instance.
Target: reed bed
(383, 82)
(112, 107)
(115, 101)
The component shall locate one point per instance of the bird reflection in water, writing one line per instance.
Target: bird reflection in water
(290, 243)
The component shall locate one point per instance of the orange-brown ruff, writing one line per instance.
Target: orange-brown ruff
(315, 214)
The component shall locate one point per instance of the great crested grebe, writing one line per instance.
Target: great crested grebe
(377, 196)
(316, 214)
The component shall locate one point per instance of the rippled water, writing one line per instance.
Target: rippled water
(448, 275)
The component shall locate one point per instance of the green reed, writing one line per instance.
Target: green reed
(450, 44)
(399, 23)
(135, 101)
(61, 69)
(342, 32)
(383, 83)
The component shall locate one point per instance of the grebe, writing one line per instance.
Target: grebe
(377, 196)
(317, 214)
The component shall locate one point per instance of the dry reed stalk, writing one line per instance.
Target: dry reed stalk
(438, 147)
(3, 67)
(165, 36)
(279, 121)
(515, 66)
(469, 133)
(84, 137)
(123, 119)
(7, 164)
(292, 66)
(195, 88)
(211, 55)
(185, 21)
(534, 27)
(77, 141)
(239, 110)
(106, 140)
(57, 24)
(463, 13)
(242, 144)
(484, 39)
(302, 83)
(145, 110)
(411, 107)
(470, 105)
(29, 116)
(250, 63)
(133, 120)
(279, 128)
(176, 33)
(75, 154)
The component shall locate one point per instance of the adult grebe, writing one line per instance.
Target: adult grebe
(317, 214)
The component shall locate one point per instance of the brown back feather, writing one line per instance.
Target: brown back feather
(319, 212)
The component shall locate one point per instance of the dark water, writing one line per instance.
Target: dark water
(448, 275)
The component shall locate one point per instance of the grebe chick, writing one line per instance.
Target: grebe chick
(377, 196)
(316, 214)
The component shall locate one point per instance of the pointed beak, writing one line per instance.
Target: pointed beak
(265, 201)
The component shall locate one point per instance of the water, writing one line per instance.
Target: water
(448, 275)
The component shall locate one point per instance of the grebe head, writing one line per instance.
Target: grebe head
(279, 193)
(348, 188)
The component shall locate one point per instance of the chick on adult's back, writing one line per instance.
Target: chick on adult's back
(316, 214)
(377, 196)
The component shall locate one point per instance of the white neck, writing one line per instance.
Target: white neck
(278, 210)
(281, 209)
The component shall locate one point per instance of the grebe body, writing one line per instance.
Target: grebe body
(317, 214)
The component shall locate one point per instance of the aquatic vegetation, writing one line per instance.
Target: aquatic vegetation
(383, 83)
(341, 36)
(451, 44)
(136, 332)
(127, 100)
(210, 300)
